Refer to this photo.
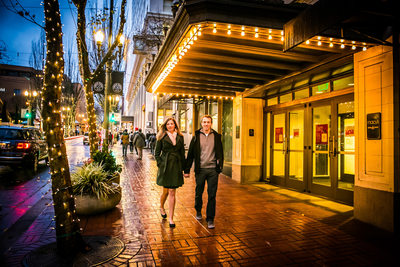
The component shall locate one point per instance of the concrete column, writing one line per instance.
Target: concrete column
(376, 195)
(247, 139)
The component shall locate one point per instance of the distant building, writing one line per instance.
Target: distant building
(19, 86)
(150, 22)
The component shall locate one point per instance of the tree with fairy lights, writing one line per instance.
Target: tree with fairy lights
(87, 75)
(69, 239)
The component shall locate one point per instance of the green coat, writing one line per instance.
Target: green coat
(170, 161)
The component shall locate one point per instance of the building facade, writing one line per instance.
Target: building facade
(19, 88)
(150, 20)
(314, 93)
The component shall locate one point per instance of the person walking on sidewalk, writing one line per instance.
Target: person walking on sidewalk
(125, 142)
(139, 142)
(170, 157)
(131, 137)
(206, 151)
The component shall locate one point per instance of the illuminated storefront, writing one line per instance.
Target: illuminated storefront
(296, 78)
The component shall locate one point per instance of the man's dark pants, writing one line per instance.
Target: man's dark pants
(211, 176)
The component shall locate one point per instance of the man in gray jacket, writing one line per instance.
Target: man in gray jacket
(139, 142)
(206, 151)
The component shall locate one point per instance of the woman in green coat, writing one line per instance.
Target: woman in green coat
(170, 157)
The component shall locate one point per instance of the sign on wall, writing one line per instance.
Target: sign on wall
(279, 135)
(374, 126)
(321, 134)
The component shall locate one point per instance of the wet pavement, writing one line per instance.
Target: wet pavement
(256, 225)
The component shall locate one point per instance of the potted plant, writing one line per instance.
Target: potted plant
(109, 163)
(93, 189)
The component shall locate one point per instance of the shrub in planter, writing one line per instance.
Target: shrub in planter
(92, 179)
(108, 161)
(93, 189)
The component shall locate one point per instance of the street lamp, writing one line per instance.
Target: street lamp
(99, 37)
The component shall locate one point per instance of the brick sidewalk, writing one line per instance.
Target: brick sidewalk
(255, 226)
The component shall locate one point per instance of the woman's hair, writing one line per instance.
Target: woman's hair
(163, 128)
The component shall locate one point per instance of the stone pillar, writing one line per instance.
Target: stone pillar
(247, 139)
(376, 194)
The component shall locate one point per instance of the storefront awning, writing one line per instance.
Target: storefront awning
(224, 48)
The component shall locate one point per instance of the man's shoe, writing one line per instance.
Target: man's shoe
(198, 216)
(211, 224)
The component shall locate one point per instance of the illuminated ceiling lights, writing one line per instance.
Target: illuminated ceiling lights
(247, 32)
(335, 43)
(184, 46)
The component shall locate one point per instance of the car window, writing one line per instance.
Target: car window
(38, 134)
(11, 134)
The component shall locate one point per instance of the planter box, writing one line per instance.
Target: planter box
(89, 205)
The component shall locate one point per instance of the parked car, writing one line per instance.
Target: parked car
(22, 146)
(86, 138)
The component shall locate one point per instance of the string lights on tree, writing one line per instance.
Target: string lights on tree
(69, 239)
(86, 74)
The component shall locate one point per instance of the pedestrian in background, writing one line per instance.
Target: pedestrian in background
(206, 151)
(139, 142)
(125, 142)
(131, 136)
(152, 140)
(170, 157)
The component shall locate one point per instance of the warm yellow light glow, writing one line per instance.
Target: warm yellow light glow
(353, 47)
(256, 35)
(229, 32)
(342, 46)
(308, 42)
(319, 43)
(99, 36)
(122, 39)
(215, 30)
(330, 45)
(26, 93)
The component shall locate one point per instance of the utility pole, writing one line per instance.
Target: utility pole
(108, 82)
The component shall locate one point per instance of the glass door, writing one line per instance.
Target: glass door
(322, 139)
(295, 149)
(278, 159)
(345, 151)
(287, 161)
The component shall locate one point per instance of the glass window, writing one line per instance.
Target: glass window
(346, 145)
(343, 83)
(272, 101)
(168, 113)
(321, 132)
(214, 113)
(320, 88)
(285, 98)
(182, 122)
(304, 93)
(11, 134)
(160, 117)
(17, 91)
(227, 132)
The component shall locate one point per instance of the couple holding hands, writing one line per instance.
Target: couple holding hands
(206, 151)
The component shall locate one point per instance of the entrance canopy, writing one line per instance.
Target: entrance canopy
(219, 49)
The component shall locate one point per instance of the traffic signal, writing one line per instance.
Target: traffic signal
(28, 115)
(112, 117)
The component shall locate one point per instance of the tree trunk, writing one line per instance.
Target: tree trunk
(86, 75)
(69, 239)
